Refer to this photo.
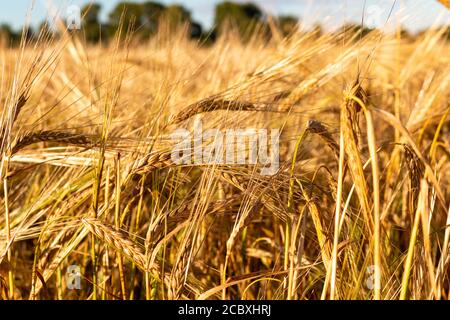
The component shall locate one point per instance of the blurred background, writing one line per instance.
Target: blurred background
(100, 19)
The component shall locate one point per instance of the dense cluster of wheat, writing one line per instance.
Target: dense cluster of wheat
(359, 208)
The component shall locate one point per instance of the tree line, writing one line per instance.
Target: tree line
(144, 19)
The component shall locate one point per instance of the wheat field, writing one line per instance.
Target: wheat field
(358, 208)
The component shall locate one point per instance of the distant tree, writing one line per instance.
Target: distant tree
(196, 30)
(126, 14)
(7, 35)
(404, 33)
(151, 14)
(11, 38)
(422, 33)
(317, 30)
(147, 17)
(287, 24)
(177, 16)
(91, 13)
(354, 31)
(44, 30)
(92, 27)
(208, 37)
(246, 17)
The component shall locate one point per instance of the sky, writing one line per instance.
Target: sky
(415, 15)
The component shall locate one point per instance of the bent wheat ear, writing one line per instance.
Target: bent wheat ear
(121, 242)
(51, 136)
(210, 105)
(349, 127)
(152, 162)
(318, 128)
(15, 113)
(20, 104)
(118, 240)
(416, 170)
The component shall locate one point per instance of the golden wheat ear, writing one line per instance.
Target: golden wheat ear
(445, 3)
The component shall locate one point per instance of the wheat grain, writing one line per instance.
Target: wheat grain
(51, 136)
(210, 105)
(118, 240)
